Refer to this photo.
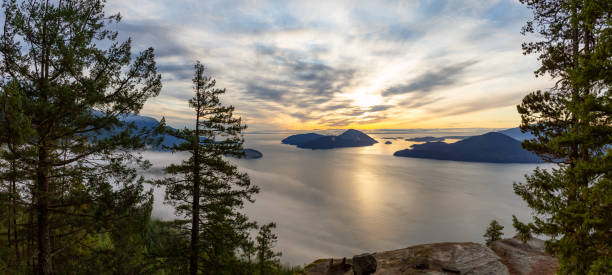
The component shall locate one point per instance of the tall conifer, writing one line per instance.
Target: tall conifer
(572, 125)
(206, 189)
(63, 89)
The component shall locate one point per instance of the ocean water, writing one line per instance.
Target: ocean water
(342, 202)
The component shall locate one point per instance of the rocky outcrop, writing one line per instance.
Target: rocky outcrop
(364, 264)
(509, 256)
(438, 258)
(525, 258)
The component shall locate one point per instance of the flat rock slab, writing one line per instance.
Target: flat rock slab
(525, 258)
(437, 258)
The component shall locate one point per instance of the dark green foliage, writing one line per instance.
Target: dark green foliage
(572, 125)
(71, 198)
(165, 249)
(206, 189)
(79, 195)
(268, 260)
(494, 232)
(522, 230)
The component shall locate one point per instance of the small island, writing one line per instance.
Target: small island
(350, 138)
(430, 138)
(491, 147)
(252, 154)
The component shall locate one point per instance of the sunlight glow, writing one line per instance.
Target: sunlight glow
(365, 100)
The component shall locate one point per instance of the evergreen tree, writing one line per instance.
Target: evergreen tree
(572, 125)
(62, 89)
(268, 262)
(494, 232)
(206, 189)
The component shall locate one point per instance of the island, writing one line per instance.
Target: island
(251, 154)
(350, 138)
(491, 147)
(430, 138)
(301, 138)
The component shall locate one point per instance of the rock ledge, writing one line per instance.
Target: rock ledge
(509, 256)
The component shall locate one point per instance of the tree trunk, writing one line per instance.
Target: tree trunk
(14, 206)
(195, 228)
(195, 206)
(44, 240)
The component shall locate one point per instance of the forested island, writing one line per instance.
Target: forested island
(350, 138)
(491, 147)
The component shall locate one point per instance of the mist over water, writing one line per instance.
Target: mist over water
(347, 201)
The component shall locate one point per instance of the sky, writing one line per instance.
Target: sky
(305, 65)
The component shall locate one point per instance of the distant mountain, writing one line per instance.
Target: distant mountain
(516, 133)
(141, 124)
(148, 123)
(350, 138)
(491, 147)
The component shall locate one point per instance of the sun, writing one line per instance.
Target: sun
(365, 100)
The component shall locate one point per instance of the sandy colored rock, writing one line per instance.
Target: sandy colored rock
(437, 258)
(525, 258)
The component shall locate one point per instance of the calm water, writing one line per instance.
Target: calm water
(342, 202)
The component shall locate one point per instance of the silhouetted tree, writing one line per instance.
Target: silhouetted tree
(206, 189)
(572, 125)
(268, 259)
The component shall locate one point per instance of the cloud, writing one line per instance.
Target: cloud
(293, 81)
(481, 104)
(265, 92)
(147, 33)
(433, 79)
(379, 108)
(311, 64)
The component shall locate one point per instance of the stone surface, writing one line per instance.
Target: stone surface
(437, 258)
(338, 268)
(364, 264)
(525, 258)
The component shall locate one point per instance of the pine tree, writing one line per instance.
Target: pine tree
(572, 125)
(206, 189)
(63, 89)
(268, 259)
(493, 233)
